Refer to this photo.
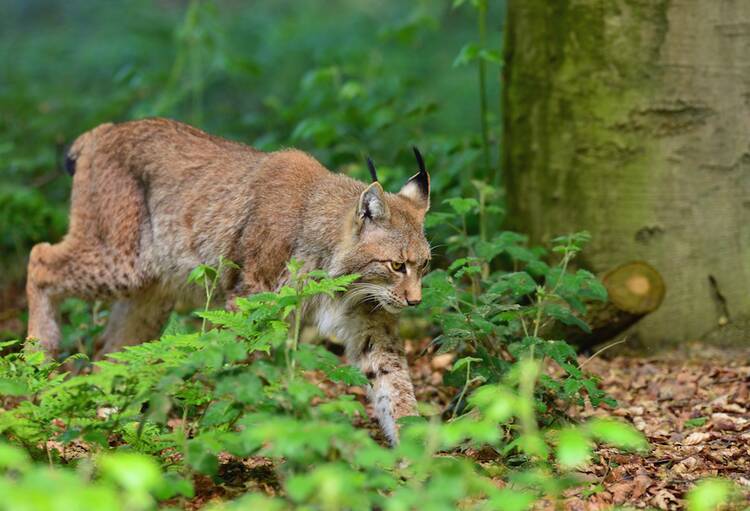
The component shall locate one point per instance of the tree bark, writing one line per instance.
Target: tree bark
(631, 119)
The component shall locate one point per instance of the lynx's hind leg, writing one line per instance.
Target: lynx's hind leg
(137, 318)
(98, 258)
(70, 269)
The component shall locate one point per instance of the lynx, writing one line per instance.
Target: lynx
(152, 199)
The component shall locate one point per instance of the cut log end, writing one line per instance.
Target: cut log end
(635, 287)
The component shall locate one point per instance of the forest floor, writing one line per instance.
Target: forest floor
(693, 411)
(693, 406)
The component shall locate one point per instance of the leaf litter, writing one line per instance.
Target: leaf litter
(694, 413)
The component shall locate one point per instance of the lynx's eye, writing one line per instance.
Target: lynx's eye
(398, 267)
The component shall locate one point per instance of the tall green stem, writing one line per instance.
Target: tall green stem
(293, 342)
(210, 288)
(482, 25)
(529, 371)
(501, 102)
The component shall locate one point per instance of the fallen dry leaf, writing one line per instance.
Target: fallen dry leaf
(442, 361)
(664, 499)
(698, 437)
(621, 491)
(725, 422)
(641, 483)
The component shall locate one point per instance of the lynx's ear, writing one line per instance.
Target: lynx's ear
(417, 188)
(372, 204)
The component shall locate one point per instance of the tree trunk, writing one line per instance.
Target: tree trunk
(631, 119)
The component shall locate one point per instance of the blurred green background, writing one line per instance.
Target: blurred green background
(340, 79)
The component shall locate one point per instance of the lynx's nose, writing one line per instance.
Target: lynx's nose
(413, 293)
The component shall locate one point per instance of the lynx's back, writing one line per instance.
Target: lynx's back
(183, 197)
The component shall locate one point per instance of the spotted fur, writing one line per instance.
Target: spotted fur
(152, 199)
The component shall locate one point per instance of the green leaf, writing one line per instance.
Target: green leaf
(438, 218)
(174, 485)
(234, 321)
(573, 448)
(228, 263)
(201, 457)
(462, 205)
(201, 272)
(618, 434)
(302, 391)
(491, 56)
(481, 324)
(459, 3)
(565, 316)
(472, 52)
(533, 445)
(464, 266)
(439, 284)
(459, 263)
(596, 395)
(346, 405)
(571, 386)
(513, 500)
(35, 358)
(590, 287)
(467, 54)
(696, 422)
(12, 457)
(13, 387)
(134, 472)
(497, 403)
(347, 374)
(517, 283)
(458, 364)
(709, 495)
(505, 242)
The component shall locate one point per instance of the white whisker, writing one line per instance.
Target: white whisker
(361, 292)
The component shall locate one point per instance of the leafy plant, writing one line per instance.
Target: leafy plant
(116, 481)
(711, 494)
(498, 299)
(244, 388)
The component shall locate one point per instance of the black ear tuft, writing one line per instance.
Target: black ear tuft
(417, 188)
(70, 164)
(422, 179)
(373, 173)
(420, 160)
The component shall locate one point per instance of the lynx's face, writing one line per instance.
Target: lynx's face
(390, 251)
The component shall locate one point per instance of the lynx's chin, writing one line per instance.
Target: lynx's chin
(389, 307)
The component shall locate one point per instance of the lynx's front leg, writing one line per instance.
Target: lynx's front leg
(380, 355)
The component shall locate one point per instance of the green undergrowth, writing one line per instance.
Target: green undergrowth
(147, 420)
(497, 317)
(136, 431)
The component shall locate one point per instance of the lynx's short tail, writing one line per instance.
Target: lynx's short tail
(85, 142)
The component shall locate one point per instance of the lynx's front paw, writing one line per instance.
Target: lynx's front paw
(392, 396)
(389, 408)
